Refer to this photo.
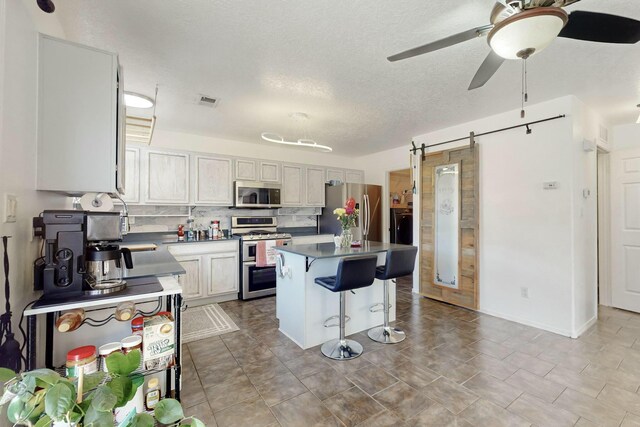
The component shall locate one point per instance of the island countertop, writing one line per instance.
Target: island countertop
(329, 250)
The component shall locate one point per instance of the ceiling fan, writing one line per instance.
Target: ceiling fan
(519, 29)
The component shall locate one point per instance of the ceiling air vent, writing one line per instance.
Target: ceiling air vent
(208, 101)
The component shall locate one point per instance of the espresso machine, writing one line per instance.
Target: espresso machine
(81, 256)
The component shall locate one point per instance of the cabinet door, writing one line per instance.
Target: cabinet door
(191, 281)
(167, 177)
(223, 273)
(269, 172)
(335, 175)
(245, 170)
(355, 177)
(213, 181)
(314, 186)
(132, 176)
(292, 185)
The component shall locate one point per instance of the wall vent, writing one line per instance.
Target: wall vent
(208, 101)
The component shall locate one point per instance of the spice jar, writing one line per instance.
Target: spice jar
(105, 350)
(70, 320)
(137, 326)
(153, 394)
(125, 311)
(81, 358)
(130, 343)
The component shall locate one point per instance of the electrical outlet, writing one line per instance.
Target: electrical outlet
(10, 207)
(524, 292)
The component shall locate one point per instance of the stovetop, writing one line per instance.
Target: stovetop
(262, 235)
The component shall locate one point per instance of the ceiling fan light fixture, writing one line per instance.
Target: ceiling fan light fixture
(638, 121)
(527, 32)
(306, 143)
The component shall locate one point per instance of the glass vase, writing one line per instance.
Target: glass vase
(346, 237)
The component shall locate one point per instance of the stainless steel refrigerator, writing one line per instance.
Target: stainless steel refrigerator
(368, 200)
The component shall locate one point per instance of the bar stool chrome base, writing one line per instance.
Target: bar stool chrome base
(386, 334)
(341, 349)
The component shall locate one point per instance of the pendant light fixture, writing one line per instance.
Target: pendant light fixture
(304, 142)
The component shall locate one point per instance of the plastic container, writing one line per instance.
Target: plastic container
(137, 326)
(105, 350)
(125, 311)
(82, 358)
(130, 343)
(152, 396)
(70, 321)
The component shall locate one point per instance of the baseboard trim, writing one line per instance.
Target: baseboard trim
(564, 332)
(585, 327)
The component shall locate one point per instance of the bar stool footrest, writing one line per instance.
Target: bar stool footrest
(333, 325)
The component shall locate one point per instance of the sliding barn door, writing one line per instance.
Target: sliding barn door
(449, 227)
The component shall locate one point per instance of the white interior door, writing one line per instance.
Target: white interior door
(625, 229)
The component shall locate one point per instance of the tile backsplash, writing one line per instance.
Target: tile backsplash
(167, 218)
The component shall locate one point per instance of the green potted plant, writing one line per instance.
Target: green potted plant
(43, 397)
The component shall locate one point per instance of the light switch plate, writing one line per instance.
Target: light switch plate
(10, 207)
(550, 185)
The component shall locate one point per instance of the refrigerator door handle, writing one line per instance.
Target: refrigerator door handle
(365, 230)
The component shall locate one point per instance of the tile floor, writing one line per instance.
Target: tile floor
(456, 368)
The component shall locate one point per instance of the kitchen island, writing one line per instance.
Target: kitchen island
(303, 306)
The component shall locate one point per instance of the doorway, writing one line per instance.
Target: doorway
(401, 207)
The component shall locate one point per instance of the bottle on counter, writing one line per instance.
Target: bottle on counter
(70, 321)
(152, 397)
(215, 225)
(180, 233)
(190, 233)
(210, 231)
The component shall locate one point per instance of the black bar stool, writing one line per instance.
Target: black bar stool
(353, 273)
(399, 263)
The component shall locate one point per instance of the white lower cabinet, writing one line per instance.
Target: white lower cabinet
(211, 270)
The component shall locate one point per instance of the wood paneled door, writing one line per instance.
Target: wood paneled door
(449, 226)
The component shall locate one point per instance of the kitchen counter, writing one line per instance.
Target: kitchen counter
(185, 242)
(302, 307)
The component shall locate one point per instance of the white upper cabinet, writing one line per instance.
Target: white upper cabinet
(132, 181)
(80, 112)
(335, 175)
(213, 181)
(314, 179)
(354, 177)
(292, 185)
(167, 176)
(269, 172)
(245, 170)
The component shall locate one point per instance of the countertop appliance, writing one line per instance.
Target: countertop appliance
(80, 254)
(256, 281)
(249, 194)
(401, 226)
(368, 200)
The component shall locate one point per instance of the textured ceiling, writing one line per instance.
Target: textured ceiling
(266, 59)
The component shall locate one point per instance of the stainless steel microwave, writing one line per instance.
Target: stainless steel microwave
(256, 195)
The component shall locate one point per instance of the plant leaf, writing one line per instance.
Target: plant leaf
(95, 418)
(103, 399)
(142, 420)
(58, 401)
(194, 422)
(6, 375)
(14, 410)
(45, 375)
(121, 387)
(133, 361)
(93, 380)
(116, 363)
(168, 411)
(44, 421)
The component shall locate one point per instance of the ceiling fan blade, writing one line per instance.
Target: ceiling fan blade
(440, 44)
(488, 68)
(601, 27)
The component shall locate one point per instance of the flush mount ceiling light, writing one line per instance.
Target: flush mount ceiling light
(137, 100)
(528, 32)
(302, 142)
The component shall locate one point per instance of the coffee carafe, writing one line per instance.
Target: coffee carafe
(103, 265)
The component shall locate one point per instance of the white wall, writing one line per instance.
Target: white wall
(626, 136)
(18, 55)
(527, 234)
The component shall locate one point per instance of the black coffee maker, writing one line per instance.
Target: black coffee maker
(80, 254)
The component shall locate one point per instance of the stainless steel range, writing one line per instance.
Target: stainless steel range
(256, 281)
